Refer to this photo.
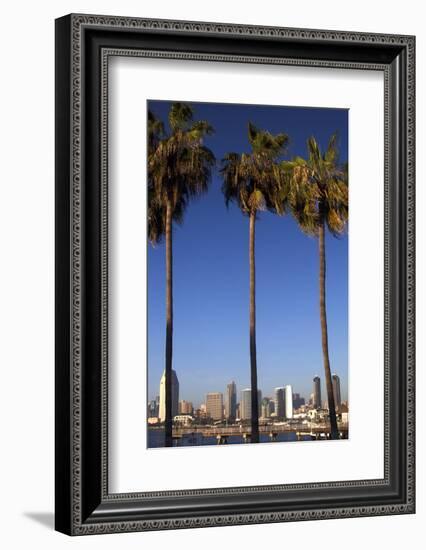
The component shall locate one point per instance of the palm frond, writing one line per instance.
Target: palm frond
(179, 168)
(316, 189)
(180, 115)
(332, 153)
(155, 130)
(253, 180)
(199, 129)
(264, 143)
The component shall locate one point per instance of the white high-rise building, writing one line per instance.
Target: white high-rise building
(175, 396)
(288, 401)
(245, 403)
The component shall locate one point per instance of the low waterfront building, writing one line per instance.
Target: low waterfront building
(183, 419)
(153, 420)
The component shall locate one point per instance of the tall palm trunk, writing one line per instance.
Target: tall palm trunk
(324, 334)
(169, 326)
(253, 359)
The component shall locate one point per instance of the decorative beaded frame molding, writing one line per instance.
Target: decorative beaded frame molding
(86, 507)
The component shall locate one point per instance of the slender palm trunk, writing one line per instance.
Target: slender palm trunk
(169, 326)
(324, 334)
(253, 358)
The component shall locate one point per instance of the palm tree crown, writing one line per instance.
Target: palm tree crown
(179, 166)
(316, 189)
(252, 180)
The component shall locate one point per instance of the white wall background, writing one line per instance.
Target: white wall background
(26, 289)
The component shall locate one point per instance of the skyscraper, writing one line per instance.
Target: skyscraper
(288, 401)
(185, 407)
(231, 401)
(279, 401)
(175, 396)
(336, 392)
(297, 400)
(152, 409)
(214, 405)
(266, 407)
(245, 403)
(317, 393)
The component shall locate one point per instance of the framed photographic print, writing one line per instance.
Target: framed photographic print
(234, 274)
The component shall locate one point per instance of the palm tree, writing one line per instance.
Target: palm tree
(179, 169)
(316, 191)
(252, 181)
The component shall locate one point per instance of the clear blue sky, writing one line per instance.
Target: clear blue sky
(211, 275)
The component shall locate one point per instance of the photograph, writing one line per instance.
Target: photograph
(247, 270)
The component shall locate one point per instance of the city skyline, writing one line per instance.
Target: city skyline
(286, 389)
(269, 393)
(219, 420)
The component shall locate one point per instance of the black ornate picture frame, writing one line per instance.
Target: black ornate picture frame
(84, 44)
